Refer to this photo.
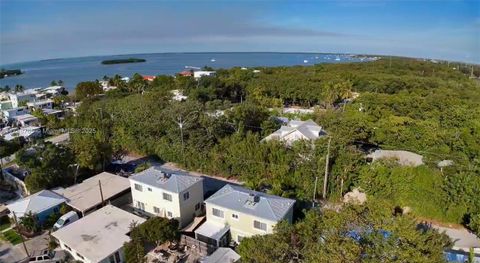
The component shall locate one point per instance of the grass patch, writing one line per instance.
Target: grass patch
(12, 237)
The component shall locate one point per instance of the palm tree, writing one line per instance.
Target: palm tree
(29, 222)
(19, 88)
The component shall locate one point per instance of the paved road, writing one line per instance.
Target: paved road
(13, 254)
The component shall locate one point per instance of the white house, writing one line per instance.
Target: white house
(98, 237)
(42, 104)
(53, 91)
(297, 130)
(26, 96)
(28, 133)
(167, 193)
(26, 120)
(242, 213)
(10, 114)
(202, 73)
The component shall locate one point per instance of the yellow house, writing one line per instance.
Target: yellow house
(167, 193)
(234, 212)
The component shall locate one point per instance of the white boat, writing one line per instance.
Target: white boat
(212, 60)
(305, 61)
(337, 58)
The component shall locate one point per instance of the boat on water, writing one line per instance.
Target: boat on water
(212, 60)
(337, 58)
(305, 61)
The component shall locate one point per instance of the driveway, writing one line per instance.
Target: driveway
(9, 253)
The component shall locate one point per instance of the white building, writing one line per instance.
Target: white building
(297, 130)
(26, 96)
(242, 213)
(98, 237)
(53, 91)
(42, 104)
(26, 120)
(203, 73)
(167, 193)
(10, 114)
(28, 133)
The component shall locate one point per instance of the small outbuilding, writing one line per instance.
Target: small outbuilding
(42, 204)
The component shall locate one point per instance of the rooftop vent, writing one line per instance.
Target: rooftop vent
(163, 177)
(252, 199)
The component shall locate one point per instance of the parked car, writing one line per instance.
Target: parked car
(46, 256)
(66, 219)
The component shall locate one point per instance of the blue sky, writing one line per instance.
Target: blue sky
(33, 30)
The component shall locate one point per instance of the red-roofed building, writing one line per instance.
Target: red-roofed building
(149, 78)
(186, 73)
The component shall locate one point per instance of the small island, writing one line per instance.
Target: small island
(123, 61)
(9, 72)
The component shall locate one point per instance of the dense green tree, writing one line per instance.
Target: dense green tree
(369, 233)
(87, 89)
(48, 165)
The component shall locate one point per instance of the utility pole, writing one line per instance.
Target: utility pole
(101, 192)
(76, 172)
(103, 131)
(325, 178)
(315, 191)
(181, 122)
(21, 236)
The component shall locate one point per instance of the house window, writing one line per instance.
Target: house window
(186, 196)
(117, 257)
(111, 259)
(140, 205)
(167, 197)
(197, 206)
(149, 189)
(156, 210)
(235, 216)
(138, 187)
(217, 212)
(259, 225)
(169, 214)
(239, 238)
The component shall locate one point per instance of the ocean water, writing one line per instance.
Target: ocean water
(74, 70)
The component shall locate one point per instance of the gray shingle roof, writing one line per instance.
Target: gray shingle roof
(237, 198)
(169, 180)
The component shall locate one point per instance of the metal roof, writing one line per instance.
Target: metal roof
(166, 179)
(36, 203)
(251, 202)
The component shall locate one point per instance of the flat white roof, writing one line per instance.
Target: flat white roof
(86, 194)
(212, 230)
(99, 234)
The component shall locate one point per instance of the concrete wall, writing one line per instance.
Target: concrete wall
(181, 210)
(74, 254)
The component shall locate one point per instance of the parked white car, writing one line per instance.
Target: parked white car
(66, 219)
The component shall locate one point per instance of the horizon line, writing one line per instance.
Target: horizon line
(225, 52)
